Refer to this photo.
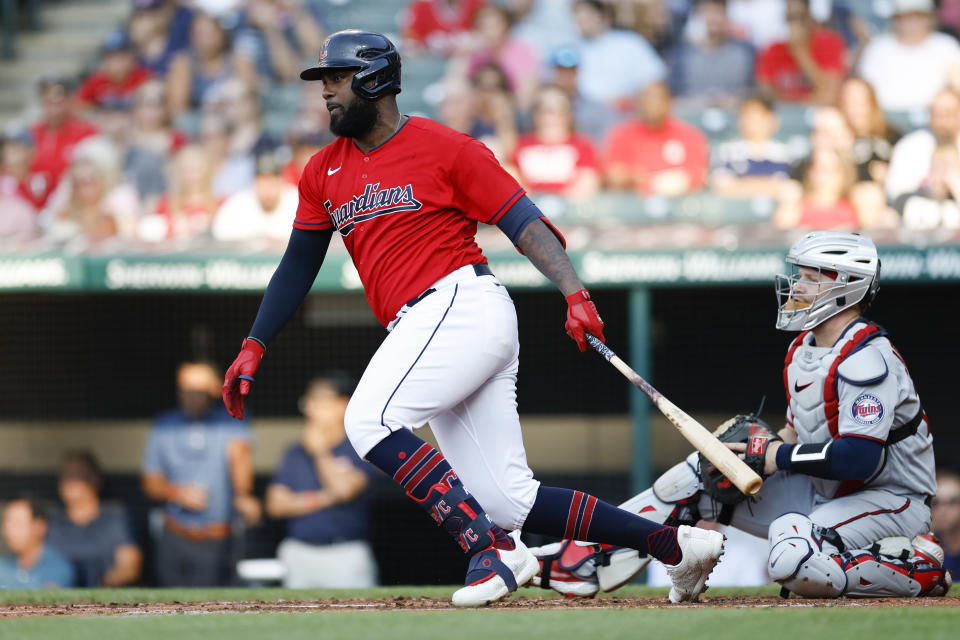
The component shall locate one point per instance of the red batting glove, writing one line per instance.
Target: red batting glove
(582, 317)
(236, 384)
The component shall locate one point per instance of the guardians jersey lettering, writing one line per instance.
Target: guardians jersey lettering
(371, 203)
(407, 210)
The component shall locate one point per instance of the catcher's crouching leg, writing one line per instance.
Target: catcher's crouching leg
(581, 568)
(799, 562)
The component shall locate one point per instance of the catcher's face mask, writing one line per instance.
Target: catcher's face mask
(806, 297)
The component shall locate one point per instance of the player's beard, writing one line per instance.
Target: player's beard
(356, 120)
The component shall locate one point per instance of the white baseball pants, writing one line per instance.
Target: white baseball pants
(452, 360)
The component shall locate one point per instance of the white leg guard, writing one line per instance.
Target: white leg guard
(671, 500)
(659, 503)
(797, 562)
(872, 577)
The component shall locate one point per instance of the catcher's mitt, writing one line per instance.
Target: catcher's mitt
(743, 428)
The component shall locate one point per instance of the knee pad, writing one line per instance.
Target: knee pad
(796, 561)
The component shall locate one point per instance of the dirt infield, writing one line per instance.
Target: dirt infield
(405, 603)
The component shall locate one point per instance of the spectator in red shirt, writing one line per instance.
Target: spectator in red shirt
(554, 158)
(15, 176)
(809, 66)
(658, 154)
(439, 25)
(54, 136)
(118, 76)
(822, 201)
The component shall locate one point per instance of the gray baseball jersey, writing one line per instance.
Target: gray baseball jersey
(860, 387)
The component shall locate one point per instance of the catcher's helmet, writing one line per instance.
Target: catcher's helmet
(371, 54)
(850, 274)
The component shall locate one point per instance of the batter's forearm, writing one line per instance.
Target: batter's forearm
(290, 283)
(539, 244)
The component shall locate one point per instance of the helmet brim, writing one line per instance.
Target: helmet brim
(316, 73)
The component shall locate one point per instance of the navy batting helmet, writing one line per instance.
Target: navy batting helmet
(372, 54)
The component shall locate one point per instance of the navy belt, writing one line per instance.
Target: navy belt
(479, 269)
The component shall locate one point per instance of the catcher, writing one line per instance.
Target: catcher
(845, 505)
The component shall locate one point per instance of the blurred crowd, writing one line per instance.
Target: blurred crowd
(197, 470)
(165, 143)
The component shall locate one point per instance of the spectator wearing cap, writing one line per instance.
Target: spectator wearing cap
(554, 158)
(151, 142)
(910, 64)
(94, 535)
(656, 154)
(93, 203)
(438, 26)
(207, 62)
(55, 135)
(910, 160)
(158, 29)
(614, 64)
(198, 462)
(117, 77)
(263, 211)
(321, 489)
(32, 563)
(713, 68)
(186, 211)
(755, 164)
(809, 65)
(593, 118)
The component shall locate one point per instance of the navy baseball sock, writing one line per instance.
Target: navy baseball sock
(428, 478)
(580, 516)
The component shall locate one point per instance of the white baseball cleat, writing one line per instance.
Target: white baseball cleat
(494, 573)
(701, 550)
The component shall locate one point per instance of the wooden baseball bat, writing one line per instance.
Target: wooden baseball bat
(742, 476)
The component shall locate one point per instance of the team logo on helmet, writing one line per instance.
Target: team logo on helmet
(372, 203)
(867, 409)
(323, 49)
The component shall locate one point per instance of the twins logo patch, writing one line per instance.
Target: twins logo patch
(867, 409)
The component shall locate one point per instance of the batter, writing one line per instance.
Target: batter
(406, 195)
(846, 505)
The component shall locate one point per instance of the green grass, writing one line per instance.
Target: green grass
(801, 623)
(712, 624)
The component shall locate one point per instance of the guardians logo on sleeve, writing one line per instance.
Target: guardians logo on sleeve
(372, 203)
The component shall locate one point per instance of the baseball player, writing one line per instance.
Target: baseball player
(846, 506)
(406, 194)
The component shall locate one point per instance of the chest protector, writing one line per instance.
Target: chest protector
(810, 378)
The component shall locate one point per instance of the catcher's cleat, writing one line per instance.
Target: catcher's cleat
(567, 568)
(580, 570)
(701, 550)
(496, 572)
